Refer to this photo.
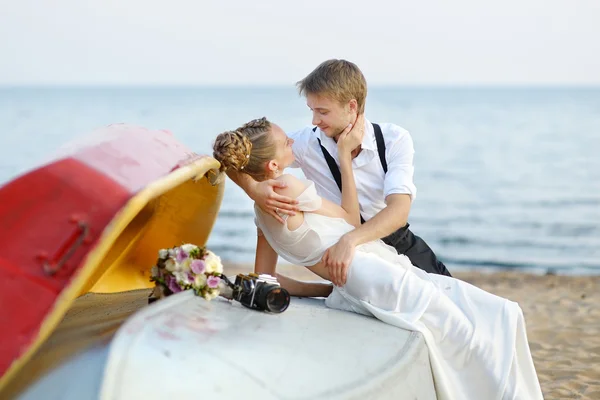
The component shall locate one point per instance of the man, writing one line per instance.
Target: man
(383, 168)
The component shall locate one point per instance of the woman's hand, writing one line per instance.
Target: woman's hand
(271, 202)
(351, 138)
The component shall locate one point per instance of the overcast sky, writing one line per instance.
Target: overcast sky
(248, 42)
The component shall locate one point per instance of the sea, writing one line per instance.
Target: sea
(507, 178)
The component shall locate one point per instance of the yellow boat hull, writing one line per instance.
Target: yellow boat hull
(180, 207)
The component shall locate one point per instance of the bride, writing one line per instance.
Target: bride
(477, 341)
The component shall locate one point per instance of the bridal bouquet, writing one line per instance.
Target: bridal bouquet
(187, 267)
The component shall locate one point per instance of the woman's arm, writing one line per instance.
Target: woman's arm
(328, 208)
(264, 195)
(304, 289)
(347, 142)
(266, 263)
(349, 193)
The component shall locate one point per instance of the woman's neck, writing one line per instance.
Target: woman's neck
(275, 175)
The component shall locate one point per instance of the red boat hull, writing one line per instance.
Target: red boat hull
(54, 215)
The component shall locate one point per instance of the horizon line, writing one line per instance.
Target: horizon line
(291, 86)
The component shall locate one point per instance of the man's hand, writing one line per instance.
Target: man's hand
(271, 202)
(337, 260)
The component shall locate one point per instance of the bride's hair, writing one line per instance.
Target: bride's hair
(248, 149)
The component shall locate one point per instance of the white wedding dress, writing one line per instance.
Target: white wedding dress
(477, 341)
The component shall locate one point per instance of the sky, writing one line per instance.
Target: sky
(278, 42)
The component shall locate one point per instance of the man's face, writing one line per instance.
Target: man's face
(330, 115)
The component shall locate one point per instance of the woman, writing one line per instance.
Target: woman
(477, 341)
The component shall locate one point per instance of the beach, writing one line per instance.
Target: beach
(505, 181)
(562, 314)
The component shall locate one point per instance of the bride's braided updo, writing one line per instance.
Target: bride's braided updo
(248, 149)
(232, 149)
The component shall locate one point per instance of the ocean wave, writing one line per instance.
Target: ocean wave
(242, 214)
(584, 245)
(506, 264)
(227, 250)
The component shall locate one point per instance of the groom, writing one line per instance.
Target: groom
(383, 168)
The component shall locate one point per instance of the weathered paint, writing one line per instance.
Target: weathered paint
(97, 214)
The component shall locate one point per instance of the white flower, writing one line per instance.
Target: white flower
(170, 265)
(163, 254)
(213, 263)
(210, 294)
(188, 248)
(184, 266)
(154, 271)
(200, 280)
(182, 277)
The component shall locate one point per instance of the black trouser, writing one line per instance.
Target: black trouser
(418, 252)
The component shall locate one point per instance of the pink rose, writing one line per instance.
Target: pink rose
(173, 286)
(213, 282)
(198, 266)
(181, 255)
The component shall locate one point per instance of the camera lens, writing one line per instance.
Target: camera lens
(278, 300)
(272, 298)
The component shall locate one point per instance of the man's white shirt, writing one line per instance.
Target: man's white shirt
(372, 184)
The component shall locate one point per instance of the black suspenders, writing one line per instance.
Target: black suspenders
(335, 171)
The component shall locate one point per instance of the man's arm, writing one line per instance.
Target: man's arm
(339, 256)
(266, 263)
(399, 187)
(387, 221)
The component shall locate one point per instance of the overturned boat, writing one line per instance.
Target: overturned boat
(79, 235)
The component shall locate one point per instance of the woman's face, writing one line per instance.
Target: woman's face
(284, 156)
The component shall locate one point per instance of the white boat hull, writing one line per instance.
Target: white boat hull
(184, 347)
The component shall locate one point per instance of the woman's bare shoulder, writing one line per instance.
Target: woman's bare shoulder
(294, 188)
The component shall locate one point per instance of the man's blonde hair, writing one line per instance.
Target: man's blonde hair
(338, 79)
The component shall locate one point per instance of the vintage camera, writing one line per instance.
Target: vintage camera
(260, 292)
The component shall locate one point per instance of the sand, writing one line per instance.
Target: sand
(563, 325)
(562, 314)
